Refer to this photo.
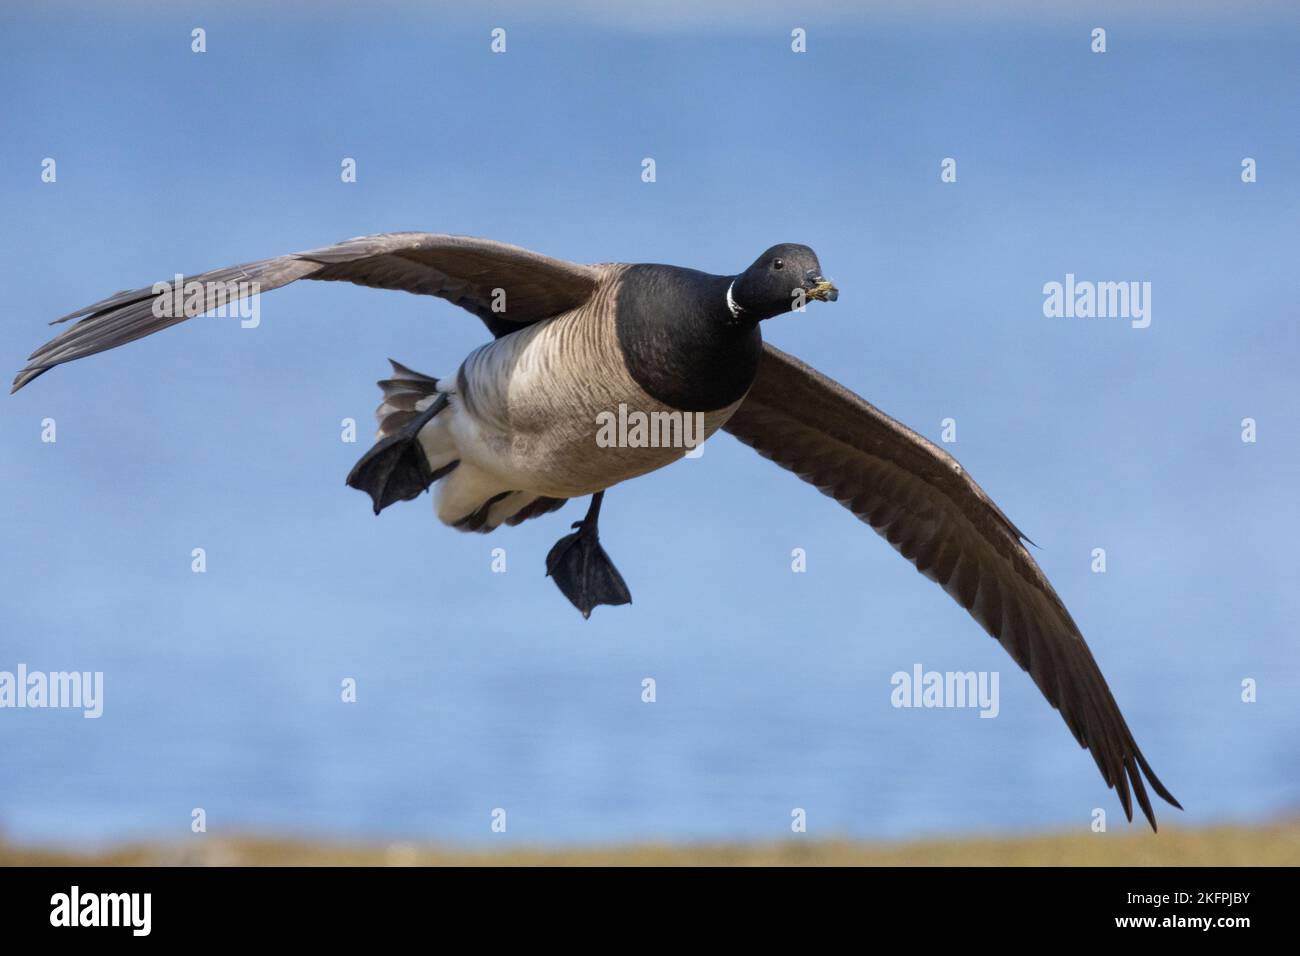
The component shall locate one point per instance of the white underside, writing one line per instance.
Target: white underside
(533, 428)
(482, 474)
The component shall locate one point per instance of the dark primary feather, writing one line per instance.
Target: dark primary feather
(460, 269)
(918, 498)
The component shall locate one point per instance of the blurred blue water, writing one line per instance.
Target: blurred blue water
(480, 690)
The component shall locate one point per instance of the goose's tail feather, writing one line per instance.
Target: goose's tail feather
(406, 394)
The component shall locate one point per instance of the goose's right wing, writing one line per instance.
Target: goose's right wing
(505, 286)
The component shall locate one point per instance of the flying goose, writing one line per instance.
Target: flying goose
(513, 434)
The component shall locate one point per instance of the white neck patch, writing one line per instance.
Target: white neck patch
(731, 303)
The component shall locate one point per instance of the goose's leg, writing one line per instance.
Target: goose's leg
(396, 469)
(582, 569)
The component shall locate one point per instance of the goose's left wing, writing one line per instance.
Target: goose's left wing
(917, 497)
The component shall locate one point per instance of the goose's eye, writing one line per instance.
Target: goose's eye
(778, 263)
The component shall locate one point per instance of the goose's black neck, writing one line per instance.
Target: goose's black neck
(679, 339)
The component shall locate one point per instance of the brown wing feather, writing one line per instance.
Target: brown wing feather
(460, 269)
(919, 498)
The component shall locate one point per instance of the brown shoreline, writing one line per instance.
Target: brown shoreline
(1276, 844)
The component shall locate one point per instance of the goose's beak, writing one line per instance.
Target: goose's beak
(822, 290)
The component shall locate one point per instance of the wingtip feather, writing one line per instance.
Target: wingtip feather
(26, 376)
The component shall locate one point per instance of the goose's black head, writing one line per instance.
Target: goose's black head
(780, 280)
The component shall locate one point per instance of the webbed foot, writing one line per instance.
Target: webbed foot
(581, 568)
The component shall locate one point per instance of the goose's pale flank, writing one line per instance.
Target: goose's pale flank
(518, 428)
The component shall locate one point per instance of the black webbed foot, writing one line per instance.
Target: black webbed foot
(396, 469)
(581, 568)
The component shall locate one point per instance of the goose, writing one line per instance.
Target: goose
(511, 436)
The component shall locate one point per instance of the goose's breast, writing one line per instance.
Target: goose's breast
(553, 410)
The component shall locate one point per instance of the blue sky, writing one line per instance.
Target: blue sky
(480, 690)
